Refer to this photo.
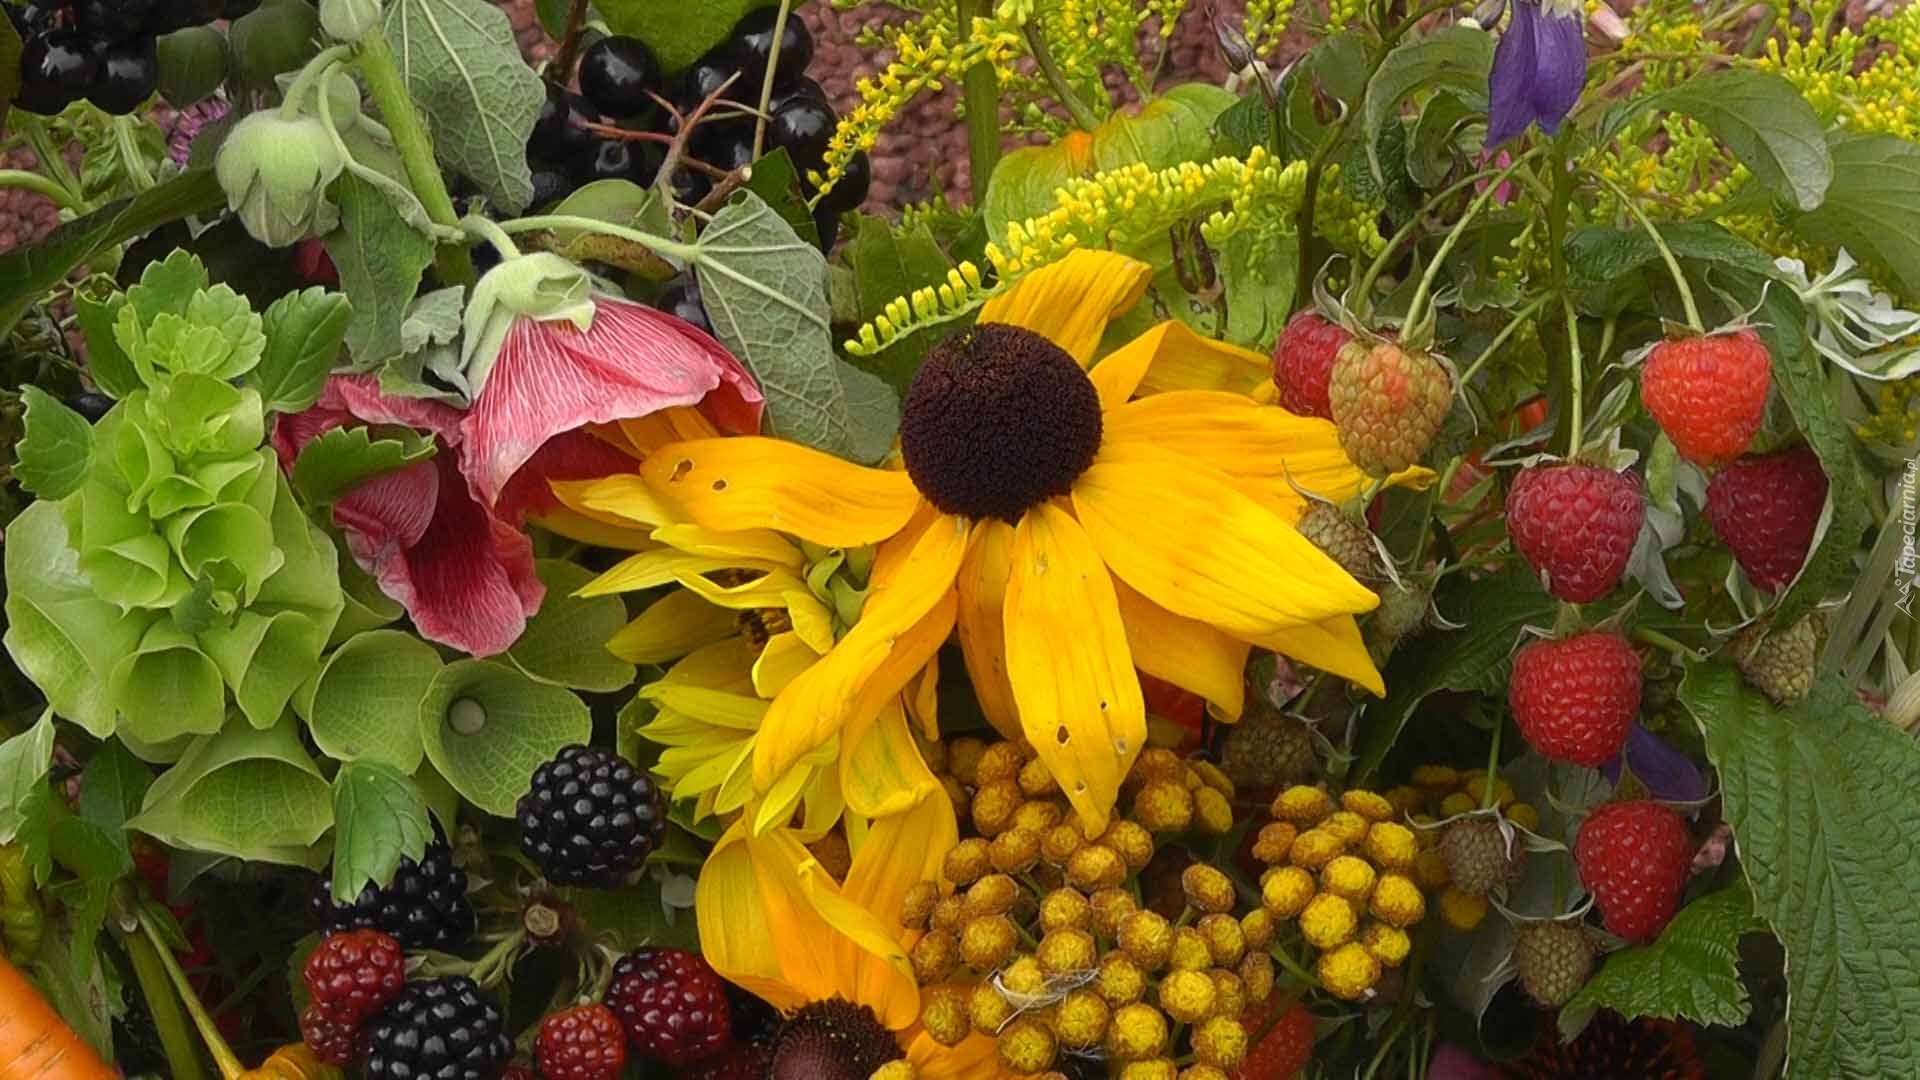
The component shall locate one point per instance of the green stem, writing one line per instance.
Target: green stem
(1434, 492)
(1666, 253)
(1363, 288)
(1493, 761)
(130, 159)
(176, 1035)
(1420, 293)
(1577, 369)
(980, 89)
(39, 185)
(1513, 325)
(1083, 117)
(1661, 641)
(52, 162)
(569, 49)
(541, 222)
(389, 92)
(766, 81)
(317, 69)
(223, 1056)
(487, 230)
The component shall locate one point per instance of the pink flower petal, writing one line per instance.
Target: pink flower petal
(570, 455)
(551, 378)
(465, 577)
(347, 398)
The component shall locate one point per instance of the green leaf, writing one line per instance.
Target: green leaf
(1433, 148)
(29, 271)
(10, 46)
(1163, 131)
(873, 413)
(634, 915)
(1457, 58)
(487, 727)
(112, 786)
(166, 687)
(776, 179)
(765, 290)
(63, 637)
(1601, 255)
(1259, 279)
(351, 703)
(463, 68)
(340, 459)
(95, 306)
(1472, 658)
(245, 793)
(58, 447)
(1827, 844)
(1873, 207)
(68, 971)
(888, 263)
(679, 33)
(193, 63)
(1024, 180)
(1690, 973)
(1767, 124)
(379, 818)
(25, 760)
(564, 643)
(276, 37)
(304, 331)
(380, 259)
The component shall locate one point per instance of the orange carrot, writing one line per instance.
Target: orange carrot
(35, 1044)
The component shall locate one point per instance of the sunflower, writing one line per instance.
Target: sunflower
(832, 955)
(1069, 533)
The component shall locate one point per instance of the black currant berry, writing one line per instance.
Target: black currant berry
(617, 74)
(112, 20)
(851, 189)
(33, 19)
(128, 73)
(620, 159)
(558, 134)
(682, 301)
(803, 127)
(55, 70)
(91, 405)
(550, 186)
(798, 89)
(753, 45)
(729, 150)
(690, 186)
(233, 9)
(707, 75)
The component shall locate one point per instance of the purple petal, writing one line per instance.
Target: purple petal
(1668, 774)
(1560, 68)
(1510, 82)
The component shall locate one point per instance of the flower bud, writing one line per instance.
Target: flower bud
(275, 172)
(349, 20)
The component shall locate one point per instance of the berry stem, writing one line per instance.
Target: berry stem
(1083, 117)
(483, 229)
(1493, 761)
(569, 49)
(1416, 308)
(1520, 318)
(156, 989)
(1666, 253)
(980, 90)
(1661, 641)
(1362, 290)
(388, 88)
(766, 81)
(1576, 369)
(39, 185)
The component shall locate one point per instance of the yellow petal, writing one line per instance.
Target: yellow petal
(759, 483)
(1172, 345)
(620, 499)
(1191, 362)
(923, 702)
(765, 589)
(897, 852)
(911, 653)
(744, 932)
(780, 662)
(1186, 653)
(648, 433)
(590, 529)
(665, 566)
(783, 798)
(671, 627)
(983, 590)
(721, 708)
(723, 665)
(1068, 662)
(881, 770)
(1333, 646)
(1179, 533)
(754, 545)
(1070, 302)
(811, 619)
(976, 1058)
(913, 574)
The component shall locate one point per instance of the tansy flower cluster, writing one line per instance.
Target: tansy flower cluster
(1038, 936)
(1469, 846)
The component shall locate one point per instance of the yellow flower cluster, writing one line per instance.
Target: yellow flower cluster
(1349, 224)
(1267, 20)
(1896, 413)
(1034, 934)
(1880, 96)
(1343, 871)
(1448, 792)
(954, 298)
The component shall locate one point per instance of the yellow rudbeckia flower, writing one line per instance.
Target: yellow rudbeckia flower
(775, 922)
(1069, 533)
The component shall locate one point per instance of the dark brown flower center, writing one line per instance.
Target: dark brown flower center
(832, 1040)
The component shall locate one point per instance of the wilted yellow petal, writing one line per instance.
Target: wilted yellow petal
(761, 483)
(881, 770)
(1070, 302)
(896, 852)
(671, 627)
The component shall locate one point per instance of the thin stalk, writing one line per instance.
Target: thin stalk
(980, 89)
(1519, 319)
(1576, 367)
(389, 92)
(315, 70)
(176, 1031)
(1083, 117)
(1661, 641)
(1364, 285)
(766, 81)
(1434, 493)
(484, 228)
(1479, 203)
(39, 185)
(1493, 761)
(1666, 253)
(129, 154)
(223, 1057)
(569, 48)
(541, 222)
(52, 162)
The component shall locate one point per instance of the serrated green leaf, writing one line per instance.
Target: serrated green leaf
(463, 68)
(350, 704)
(1457, 58)
(1601, 255)
(1828, 846)
(776, 179)
(380, 259)
(1767, 124)
(487, 727)
(564, 643)
(24, 762)
(304, 331)
(58, 448)
(245, 793)
(1259, 281)
(873, 414)
(634, 915)
(379, 818)
(340, 459)
(75, 983)
(1873, 206)
(1162, 131)
(1691, 972)
(1025, 179)
(95, 306)
(889, 263)
(765, 290)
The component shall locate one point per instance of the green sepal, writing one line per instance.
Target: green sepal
(167, 687)
(245, 793)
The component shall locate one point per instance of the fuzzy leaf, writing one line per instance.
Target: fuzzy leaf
(1828, 845)
(304, 331)
(1873, 206)
(486, 728)
(58, 447)
(380, 259)
(464, 70)
(379, 818)
(344, 457)
(564, 643)
(350, 703)
(1691, 972)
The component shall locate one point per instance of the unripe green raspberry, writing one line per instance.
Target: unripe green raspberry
(1388, 404)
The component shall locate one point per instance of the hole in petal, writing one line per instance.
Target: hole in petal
(719, 485)
(680, 469)
(1120, 745)
(1061, 734)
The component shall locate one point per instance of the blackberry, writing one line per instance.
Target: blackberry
(674, 1006)
(590, 817)
(438, 1028)
(426, 906)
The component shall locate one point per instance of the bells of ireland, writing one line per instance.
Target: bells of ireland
(275, 170)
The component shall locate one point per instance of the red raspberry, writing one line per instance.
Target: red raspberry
(1575, 698)
(673, 1005)
(1708, 393)
(585, 1042)
(519, 1071)
(1765, 509)
(332, 1040)
(1634, 858)
(1576, 525)
(1284, 1051)
(1303, 360)
(355, 973)
(1388, 403)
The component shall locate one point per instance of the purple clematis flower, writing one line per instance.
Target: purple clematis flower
(1539, 68)
(1667, 773)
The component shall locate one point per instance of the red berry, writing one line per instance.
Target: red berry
(519, 1071)
(1303, 360)
(673, 1005)
(1575, 698)
(1634, 858)
(1576, 525)
(1708, 393)
(313, 264)
(1286, 1048)
(355, 973)
(332, 1039)
(585, 1042)
(1388, 404)
(1765, 509)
